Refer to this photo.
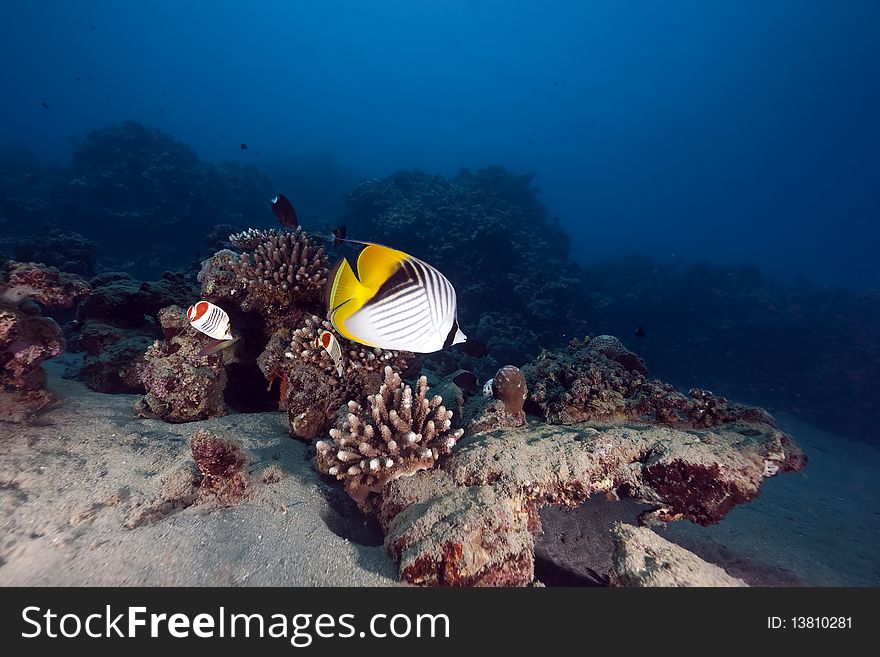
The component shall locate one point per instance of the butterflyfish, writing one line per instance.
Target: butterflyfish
(391, 300)
(213, 321)
(330, 344)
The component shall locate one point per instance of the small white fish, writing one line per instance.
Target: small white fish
(210, 319)
(213, 321)
(329, 342)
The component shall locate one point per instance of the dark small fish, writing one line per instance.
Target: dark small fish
(78, 78)
(282, 208)
(467, 381)
(244, 147)
(475, 348)
(339, 236)
(640, 332)
(44, 105)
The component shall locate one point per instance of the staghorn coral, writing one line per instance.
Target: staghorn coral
(288, 267)
(181, 385)
(401, 433)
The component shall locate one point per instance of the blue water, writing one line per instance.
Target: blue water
(741, 132)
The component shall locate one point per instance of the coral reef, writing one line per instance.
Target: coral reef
(27, 338)
(401, 433)
(156, 188)
(68, 251)
(312, 391)
(118, 322)
(583, 383)
(285, 267)
(642, 558)
(501, 405)
(181, 385)
(472, 521)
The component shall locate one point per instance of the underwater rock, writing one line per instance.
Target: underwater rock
(582, 384)
(27, 339)
(118, 322)
(400, 433)
(643, 558)
(472, 521)
(181, 385)
(503, 407)
(48, 286)
(613, 349)
(441, 534)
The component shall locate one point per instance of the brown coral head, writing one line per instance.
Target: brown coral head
(222, 464)
(400, 433)
(509, 385)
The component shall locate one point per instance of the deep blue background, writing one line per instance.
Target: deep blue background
(741, 131)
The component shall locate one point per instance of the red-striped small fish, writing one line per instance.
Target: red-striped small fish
(328, 341)
(213, 321)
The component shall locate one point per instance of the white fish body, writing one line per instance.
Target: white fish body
(395, 301)
(327, 341)
(210, 319)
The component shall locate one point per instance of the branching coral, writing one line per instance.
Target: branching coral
(285, 267)
(401, 433)
(356, 357)
(250, 239)
(311, 388)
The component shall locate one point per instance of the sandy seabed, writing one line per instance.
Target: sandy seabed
(74, 483)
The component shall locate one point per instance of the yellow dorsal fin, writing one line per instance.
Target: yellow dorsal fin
(376, 264)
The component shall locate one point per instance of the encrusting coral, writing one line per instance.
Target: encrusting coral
(26, 337)
(401, 433)
(181, 385)
(222, 464)
(600, 380)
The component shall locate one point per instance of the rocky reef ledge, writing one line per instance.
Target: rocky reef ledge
(473, 521)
